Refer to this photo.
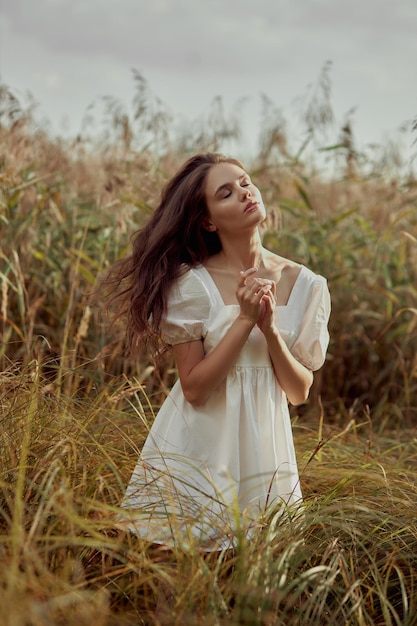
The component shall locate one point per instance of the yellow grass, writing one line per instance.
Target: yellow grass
(74, 411)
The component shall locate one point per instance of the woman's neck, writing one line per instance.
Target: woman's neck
(241, 255)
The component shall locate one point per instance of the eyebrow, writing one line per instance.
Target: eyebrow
(226, 185)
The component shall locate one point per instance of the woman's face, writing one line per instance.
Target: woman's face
(233, 202)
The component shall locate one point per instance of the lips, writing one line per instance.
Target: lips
(251, 206)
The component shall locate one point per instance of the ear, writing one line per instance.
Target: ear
(208, 225)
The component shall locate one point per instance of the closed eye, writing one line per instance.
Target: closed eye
(227, 193)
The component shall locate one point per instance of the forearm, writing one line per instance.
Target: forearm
(293, 377)
(200, 380)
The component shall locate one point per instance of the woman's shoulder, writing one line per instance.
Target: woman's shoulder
(291, 270)
(312, 289)
(280, 264)
(309, 282)
(284, 273)
(190, 281)
(293, 277)
(188, 309)
(190, 273)
(311, 275)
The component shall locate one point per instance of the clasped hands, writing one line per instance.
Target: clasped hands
(256, 297)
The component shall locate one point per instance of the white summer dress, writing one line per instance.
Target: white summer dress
(206, 472)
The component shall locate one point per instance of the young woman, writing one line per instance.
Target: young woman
(247, 329)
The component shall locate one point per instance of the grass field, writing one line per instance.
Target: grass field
(74, 411)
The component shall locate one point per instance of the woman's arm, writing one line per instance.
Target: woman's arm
(293, 377)
(199, 374)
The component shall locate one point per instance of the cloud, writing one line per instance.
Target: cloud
(193, 50)
(176, 34)
(212, 35)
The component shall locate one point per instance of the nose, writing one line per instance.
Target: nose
(245, 193)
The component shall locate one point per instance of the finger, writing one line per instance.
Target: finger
(264, 281)
(256, 294)
(265, 288)
(254, 287)
(243, 275)
(266, 298)
(269, 297)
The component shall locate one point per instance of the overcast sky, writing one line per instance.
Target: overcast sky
(69, 53)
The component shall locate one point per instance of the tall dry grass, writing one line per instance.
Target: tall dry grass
(74, 412)
(68, 210)
(349, 556)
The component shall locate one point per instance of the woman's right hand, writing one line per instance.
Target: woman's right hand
(249, 293)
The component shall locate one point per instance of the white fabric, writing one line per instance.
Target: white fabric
(202, 470)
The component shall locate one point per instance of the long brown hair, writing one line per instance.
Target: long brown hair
(172, 239)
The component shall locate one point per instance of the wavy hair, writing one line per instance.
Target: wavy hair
(174, 238)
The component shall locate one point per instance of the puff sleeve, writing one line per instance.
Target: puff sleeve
(188, 310)
(312, 340)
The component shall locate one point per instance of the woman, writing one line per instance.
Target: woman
(247, 329)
